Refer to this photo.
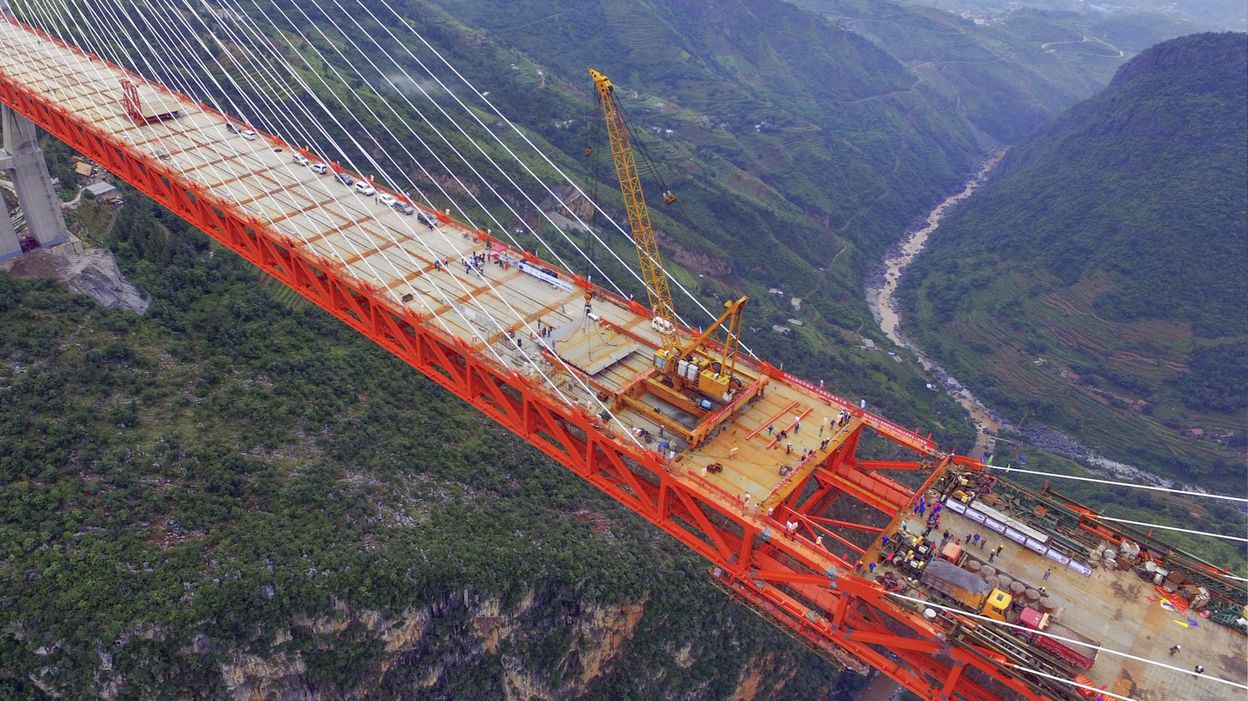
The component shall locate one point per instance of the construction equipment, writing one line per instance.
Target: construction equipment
(689, 367)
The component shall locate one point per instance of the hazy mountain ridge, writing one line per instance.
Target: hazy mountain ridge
(1005, 76)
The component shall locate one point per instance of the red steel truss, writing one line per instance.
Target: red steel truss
(793, 577)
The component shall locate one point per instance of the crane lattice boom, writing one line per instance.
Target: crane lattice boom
(652, 271)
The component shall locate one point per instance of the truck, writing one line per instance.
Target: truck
(966, 588)
(953, 553)
(1080, 656)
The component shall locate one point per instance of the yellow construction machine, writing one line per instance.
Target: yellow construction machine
(686, 365)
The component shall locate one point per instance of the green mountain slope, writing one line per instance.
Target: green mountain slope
(1002, 75)
(1097, 282)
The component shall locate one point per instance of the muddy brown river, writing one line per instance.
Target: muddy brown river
(882, 299)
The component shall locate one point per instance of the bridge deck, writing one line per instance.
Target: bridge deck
(1115, 608)
(1121, 612)
(420, 266)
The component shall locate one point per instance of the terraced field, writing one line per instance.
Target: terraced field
(1075, 369)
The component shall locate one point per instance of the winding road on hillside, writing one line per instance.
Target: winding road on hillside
(1083, 40)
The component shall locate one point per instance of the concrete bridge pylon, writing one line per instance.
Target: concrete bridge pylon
(22, 161)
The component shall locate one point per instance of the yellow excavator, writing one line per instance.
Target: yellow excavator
(684, 367)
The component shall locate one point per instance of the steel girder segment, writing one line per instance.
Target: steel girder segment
(633, 476)
(862, 621)
(844, 472)
(894, 465)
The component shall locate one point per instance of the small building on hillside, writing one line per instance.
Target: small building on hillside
(103, 192)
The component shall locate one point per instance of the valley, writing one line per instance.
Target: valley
(220, 491)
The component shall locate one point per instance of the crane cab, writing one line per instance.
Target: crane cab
(997, 605)
(663, 359)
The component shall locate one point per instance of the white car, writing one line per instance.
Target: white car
(365, 189)
(250, 135)
(301, 159)
(318, 168)
(387, 199)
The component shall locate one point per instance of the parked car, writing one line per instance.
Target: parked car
(233, 128)
(387, 199)
(301, 159)
(405, 208)
(364, 188)
(250, 135)
(344, 179)
(318, 168)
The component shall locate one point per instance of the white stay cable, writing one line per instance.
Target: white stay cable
(249, 29)
(194, 72)
(45, 20)
(1132, 485)
(55, 69)
(526, 139)
(262, 110)
(523, 322)
(475, 142)
(1064, 639)
(450, 144)
(1173, 528)
(98, 22)
(1099, 693)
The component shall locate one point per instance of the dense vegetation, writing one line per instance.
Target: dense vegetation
(1098, 282)
(176, 489)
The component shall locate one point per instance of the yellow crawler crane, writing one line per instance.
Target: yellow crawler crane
(681, 366)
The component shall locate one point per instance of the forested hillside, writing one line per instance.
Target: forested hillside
(1098, 282)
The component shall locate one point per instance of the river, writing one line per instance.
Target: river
(881, 294)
